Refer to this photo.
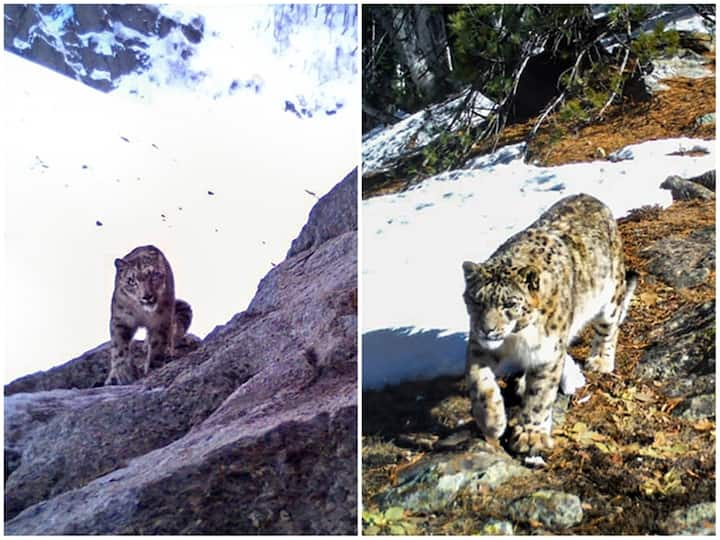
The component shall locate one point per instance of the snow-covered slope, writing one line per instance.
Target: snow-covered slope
(301, 57)
(413, 317)
(222, 186)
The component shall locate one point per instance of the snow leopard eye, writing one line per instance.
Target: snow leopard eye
(510, 303)
(131, 282)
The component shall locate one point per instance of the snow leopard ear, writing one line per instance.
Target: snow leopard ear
(531, 277)
(120, 264)
(470, 269)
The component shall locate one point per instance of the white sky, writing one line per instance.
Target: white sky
(65, 166)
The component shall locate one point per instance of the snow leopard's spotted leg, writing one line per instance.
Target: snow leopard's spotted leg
(122, 368)
(606, 327)
(159, 346)
(488, 408)
(530, 428)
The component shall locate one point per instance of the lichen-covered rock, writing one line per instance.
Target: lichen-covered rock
(696, 407)
(252, 432)
(682, 360)
(496, 527)
(684, 346)
(706, 179)
(554, 509)
(431, 484)
(698, 519)
(683, 262)
(684, 190)
(686, 63)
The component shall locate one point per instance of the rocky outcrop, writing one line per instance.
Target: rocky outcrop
(683, 262)
(254, 431)
(89, 370)
(699, 187)
(333, 214)
(96, 44)
(433, 483)
(682, 359)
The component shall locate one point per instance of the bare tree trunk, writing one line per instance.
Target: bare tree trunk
(418, 32)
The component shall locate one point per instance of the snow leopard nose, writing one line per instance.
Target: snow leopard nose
(490, 326)
(492, 333)
(148, 298)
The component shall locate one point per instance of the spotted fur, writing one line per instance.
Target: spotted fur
(144, 296)
(529, 299)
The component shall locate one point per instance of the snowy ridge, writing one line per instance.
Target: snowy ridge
(383, 147)
(414, 320)
(302, 58)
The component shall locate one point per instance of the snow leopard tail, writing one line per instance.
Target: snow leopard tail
(183, 317)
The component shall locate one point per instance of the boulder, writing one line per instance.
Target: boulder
(700, 187)
(433, 483)
(683, 262)
(554, 509)
(682, 359)
(698, 519)
(254, 431)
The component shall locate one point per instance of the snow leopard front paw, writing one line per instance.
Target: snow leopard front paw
(529, 439)
(122, 373)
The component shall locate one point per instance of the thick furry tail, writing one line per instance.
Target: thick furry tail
(631, 281)
(183, 317)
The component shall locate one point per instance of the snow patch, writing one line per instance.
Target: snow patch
(382, 148)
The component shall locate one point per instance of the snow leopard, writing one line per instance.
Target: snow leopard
(536, 292)
(144, 296)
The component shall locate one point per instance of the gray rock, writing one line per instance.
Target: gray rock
(683, 262)
(698, 519)
(684, 64)
(706, 179)
(692, 386)
(685, 190)
(334, 214)
(89, 370)
(683, 350)
(555, 509)
(696, 407)
(432, 484)
(252, 432)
